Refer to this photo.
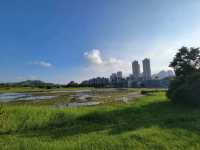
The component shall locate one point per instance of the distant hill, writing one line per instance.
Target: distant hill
(33, 83)
(30, 83)
(163, 74)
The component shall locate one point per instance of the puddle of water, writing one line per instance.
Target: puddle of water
(70, 91)
(7, 97)
(37, 98)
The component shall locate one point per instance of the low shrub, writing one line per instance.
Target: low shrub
(148, 92)
(185, 90)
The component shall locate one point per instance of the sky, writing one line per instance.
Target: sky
(63, 40)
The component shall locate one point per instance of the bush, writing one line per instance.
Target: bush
(149, 92)
(185, 90)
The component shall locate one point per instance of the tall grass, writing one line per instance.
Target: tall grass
(151, 122)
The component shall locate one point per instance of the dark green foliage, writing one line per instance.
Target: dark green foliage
(72, 84)
(186, 61)
(185, 87)
(98, 117)
(186, 90)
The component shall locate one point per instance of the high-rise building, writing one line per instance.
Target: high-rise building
(136, 69)
(113, 77)
(146, 69)
(119, 75)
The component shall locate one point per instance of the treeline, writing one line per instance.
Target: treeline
(99, 82)
(31, 83)
(40, 84)
(185, 87)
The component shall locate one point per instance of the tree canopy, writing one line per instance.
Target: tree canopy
(186, 61)
(185, 88)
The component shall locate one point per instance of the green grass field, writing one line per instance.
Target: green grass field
(150, 122)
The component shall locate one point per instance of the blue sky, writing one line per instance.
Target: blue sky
(63, 40)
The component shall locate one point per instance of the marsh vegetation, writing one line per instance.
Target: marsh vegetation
(146, 122)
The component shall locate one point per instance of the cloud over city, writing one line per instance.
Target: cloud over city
(99, 65)
(94, 56)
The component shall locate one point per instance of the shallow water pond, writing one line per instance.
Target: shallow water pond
(7, 97)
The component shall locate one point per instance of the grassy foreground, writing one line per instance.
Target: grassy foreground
(151, 122)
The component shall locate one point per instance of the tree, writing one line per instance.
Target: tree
(185, 87)
(72, 84)
(186, 61)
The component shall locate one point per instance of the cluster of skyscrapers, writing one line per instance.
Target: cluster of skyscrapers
(116, 76)
(136, 72)
(137, 75)
(136, 79)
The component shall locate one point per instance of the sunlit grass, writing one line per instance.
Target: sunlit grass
(150, 122)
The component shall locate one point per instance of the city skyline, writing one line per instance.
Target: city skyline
(134, 80)
(136, 74)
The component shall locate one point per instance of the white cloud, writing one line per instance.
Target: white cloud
(99, 66)
(42, 64)
(94, 56)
